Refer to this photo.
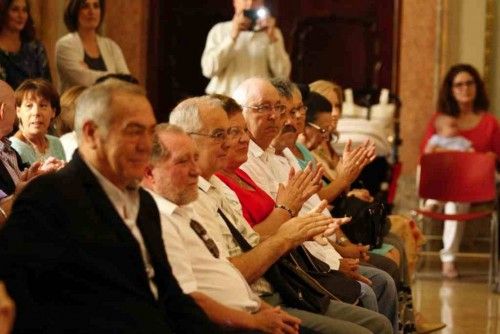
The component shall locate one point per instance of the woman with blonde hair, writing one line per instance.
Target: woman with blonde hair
(66, 120)
(324, 153)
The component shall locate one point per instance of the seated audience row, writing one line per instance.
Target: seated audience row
(118, 158)
(224, 171)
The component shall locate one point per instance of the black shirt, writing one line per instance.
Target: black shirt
(96, 64)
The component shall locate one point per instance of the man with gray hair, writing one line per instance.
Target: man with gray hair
(207, 123)
(82, 250)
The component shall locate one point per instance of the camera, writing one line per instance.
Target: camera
(254, 15)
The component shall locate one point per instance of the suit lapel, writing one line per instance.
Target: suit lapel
(148, 221)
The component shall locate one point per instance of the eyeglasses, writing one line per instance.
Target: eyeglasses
(202, 233)
(218, 136)
(236, 132)
(268, 108)
(317, 127)
(461, 84)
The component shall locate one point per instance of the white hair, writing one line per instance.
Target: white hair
(94, 104)
(186, 114)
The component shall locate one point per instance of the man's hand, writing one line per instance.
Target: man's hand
(269, 24)
(300, 229)
(350, 267)
(7, 311)
(240, 23)
(321, 239)
(354, 160)
(276, 321)
(299, 187)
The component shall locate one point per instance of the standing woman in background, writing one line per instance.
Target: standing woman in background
(21, 55)
(83, 56)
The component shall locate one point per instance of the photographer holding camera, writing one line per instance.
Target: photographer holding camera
(247, 46)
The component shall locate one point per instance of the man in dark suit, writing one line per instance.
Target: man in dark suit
(82, 250)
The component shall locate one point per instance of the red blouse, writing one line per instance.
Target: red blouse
(256, 203)
(485, 137)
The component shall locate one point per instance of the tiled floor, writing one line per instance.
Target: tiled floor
(465, 304)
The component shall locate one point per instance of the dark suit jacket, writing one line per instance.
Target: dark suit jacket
(72, 265)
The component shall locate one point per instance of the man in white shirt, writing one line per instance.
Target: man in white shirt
(207, 123)
(234, 51)
(268, 169)
(198, 260)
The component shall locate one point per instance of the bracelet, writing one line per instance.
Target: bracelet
(3, 213)
(287, 209)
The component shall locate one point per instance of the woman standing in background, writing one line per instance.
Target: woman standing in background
(83, 56)
(21, 55)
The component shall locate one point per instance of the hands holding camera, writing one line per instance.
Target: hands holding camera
(245, 20)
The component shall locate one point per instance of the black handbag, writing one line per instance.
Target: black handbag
(369, 224)
(302, 280)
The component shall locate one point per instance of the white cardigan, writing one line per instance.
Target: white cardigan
(70, 66)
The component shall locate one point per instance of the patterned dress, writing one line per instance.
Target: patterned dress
(30, 62)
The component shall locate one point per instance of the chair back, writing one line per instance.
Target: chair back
(458, 177)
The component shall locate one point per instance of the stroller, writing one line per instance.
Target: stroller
(373, 114)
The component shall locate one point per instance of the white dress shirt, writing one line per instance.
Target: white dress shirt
(69, 143)
(208, 202)
(194, 266)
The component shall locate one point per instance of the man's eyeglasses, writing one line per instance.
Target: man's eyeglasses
(218, 136)
(268, 108)
(317, 127)
(236, 132)
(461, 84)
(202, 233)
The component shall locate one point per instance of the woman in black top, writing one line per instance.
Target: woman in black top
(21, 55)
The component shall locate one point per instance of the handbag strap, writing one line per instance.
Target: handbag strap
(245, 246)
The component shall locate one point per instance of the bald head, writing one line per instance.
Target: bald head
(253, 89)
(8, 110)
(254, 95)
